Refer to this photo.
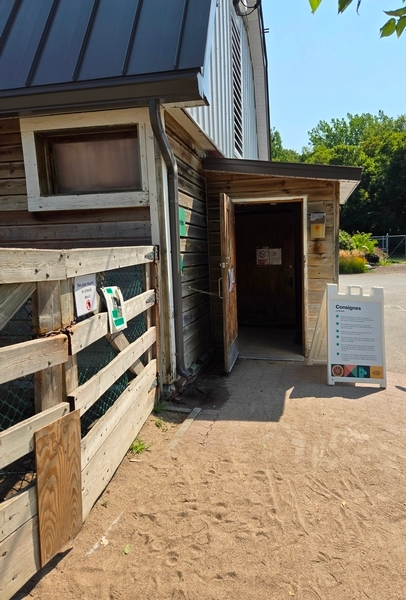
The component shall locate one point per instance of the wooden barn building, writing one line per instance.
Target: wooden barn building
(135, 140)
(134, 152)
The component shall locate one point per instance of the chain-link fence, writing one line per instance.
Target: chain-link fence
(98, 355)
(393, 245)
(17, 402)
(17, 397)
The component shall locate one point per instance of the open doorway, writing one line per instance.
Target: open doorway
(270, 279)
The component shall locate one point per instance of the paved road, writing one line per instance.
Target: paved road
(394, 284)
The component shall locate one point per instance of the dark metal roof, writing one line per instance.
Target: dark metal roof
(53, 46)
(349, 177)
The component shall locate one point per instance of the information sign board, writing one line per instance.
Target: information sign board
(85, 294)
(355, 336)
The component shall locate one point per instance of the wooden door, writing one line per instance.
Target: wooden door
(229, 284)
(268, 294)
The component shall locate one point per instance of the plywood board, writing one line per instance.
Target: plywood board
(59, 485)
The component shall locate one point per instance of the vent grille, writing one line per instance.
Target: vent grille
(236, 64)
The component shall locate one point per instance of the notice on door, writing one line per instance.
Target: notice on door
(355, 332)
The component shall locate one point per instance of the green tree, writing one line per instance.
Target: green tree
(378, 144)
(396, 23)
(279, 153)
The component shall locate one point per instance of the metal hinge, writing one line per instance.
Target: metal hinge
(225, 262)
(154, 255)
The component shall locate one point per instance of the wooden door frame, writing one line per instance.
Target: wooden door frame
(290, 199)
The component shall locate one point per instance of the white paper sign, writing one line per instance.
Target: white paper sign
(275, 256)
(85, 294)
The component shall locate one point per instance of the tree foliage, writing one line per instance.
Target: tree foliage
(279, 153)
(378, 144)
(395, 24)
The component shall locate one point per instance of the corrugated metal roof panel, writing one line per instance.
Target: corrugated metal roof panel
(53, 42)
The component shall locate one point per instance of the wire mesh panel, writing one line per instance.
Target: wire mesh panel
(99, 354)
(17, 397)
(17, 403)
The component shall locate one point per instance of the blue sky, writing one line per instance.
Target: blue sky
(325, 65)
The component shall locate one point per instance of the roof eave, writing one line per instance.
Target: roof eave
(348, 177)
(183, 88)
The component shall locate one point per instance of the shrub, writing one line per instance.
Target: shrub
(345, 241)
(363, 242)
(351, 261)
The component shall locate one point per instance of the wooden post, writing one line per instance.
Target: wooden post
(70, 368)
(155, 321)
(47, 317)
(148, 315)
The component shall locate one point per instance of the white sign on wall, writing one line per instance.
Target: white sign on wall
(86, 298)
(355, 336)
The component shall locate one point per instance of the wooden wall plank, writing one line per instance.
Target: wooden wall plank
(105, 259)
(31, 265)
(187, 201)
(67, 218)
(89, 331)
(10, 152)
(10, 187)
(12, 169)
(70, 367)
(17, 510)
(49, 265)
(119, 342)
(23, 359)
(87, 394)
(102, 429)
(19, 558)
(9, 126)
(59, 483)
(76, 231)
(101, 468)
(13, 203)
(12, 297)
(18, 440)
(47, 318)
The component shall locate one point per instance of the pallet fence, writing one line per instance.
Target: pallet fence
(80, 369)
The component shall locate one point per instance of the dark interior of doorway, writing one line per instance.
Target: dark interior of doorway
(269, 296)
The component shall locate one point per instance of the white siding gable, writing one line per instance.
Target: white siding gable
(217, 120)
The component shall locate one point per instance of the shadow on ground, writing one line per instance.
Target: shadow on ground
(256, 390)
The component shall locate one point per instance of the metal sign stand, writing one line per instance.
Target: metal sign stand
(352, 325)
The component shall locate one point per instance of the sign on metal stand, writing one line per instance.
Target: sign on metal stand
(350, 330)
(355, 336)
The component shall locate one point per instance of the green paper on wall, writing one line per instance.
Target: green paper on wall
(182, 222)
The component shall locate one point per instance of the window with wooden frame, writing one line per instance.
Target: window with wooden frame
(91, 160)
(86, 162)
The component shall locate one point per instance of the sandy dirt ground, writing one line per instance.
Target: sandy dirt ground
(282, 487)
(277, 490)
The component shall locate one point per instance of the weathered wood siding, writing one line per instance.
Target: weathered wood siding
(193, 242)
(70, 229)
(322, 255)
